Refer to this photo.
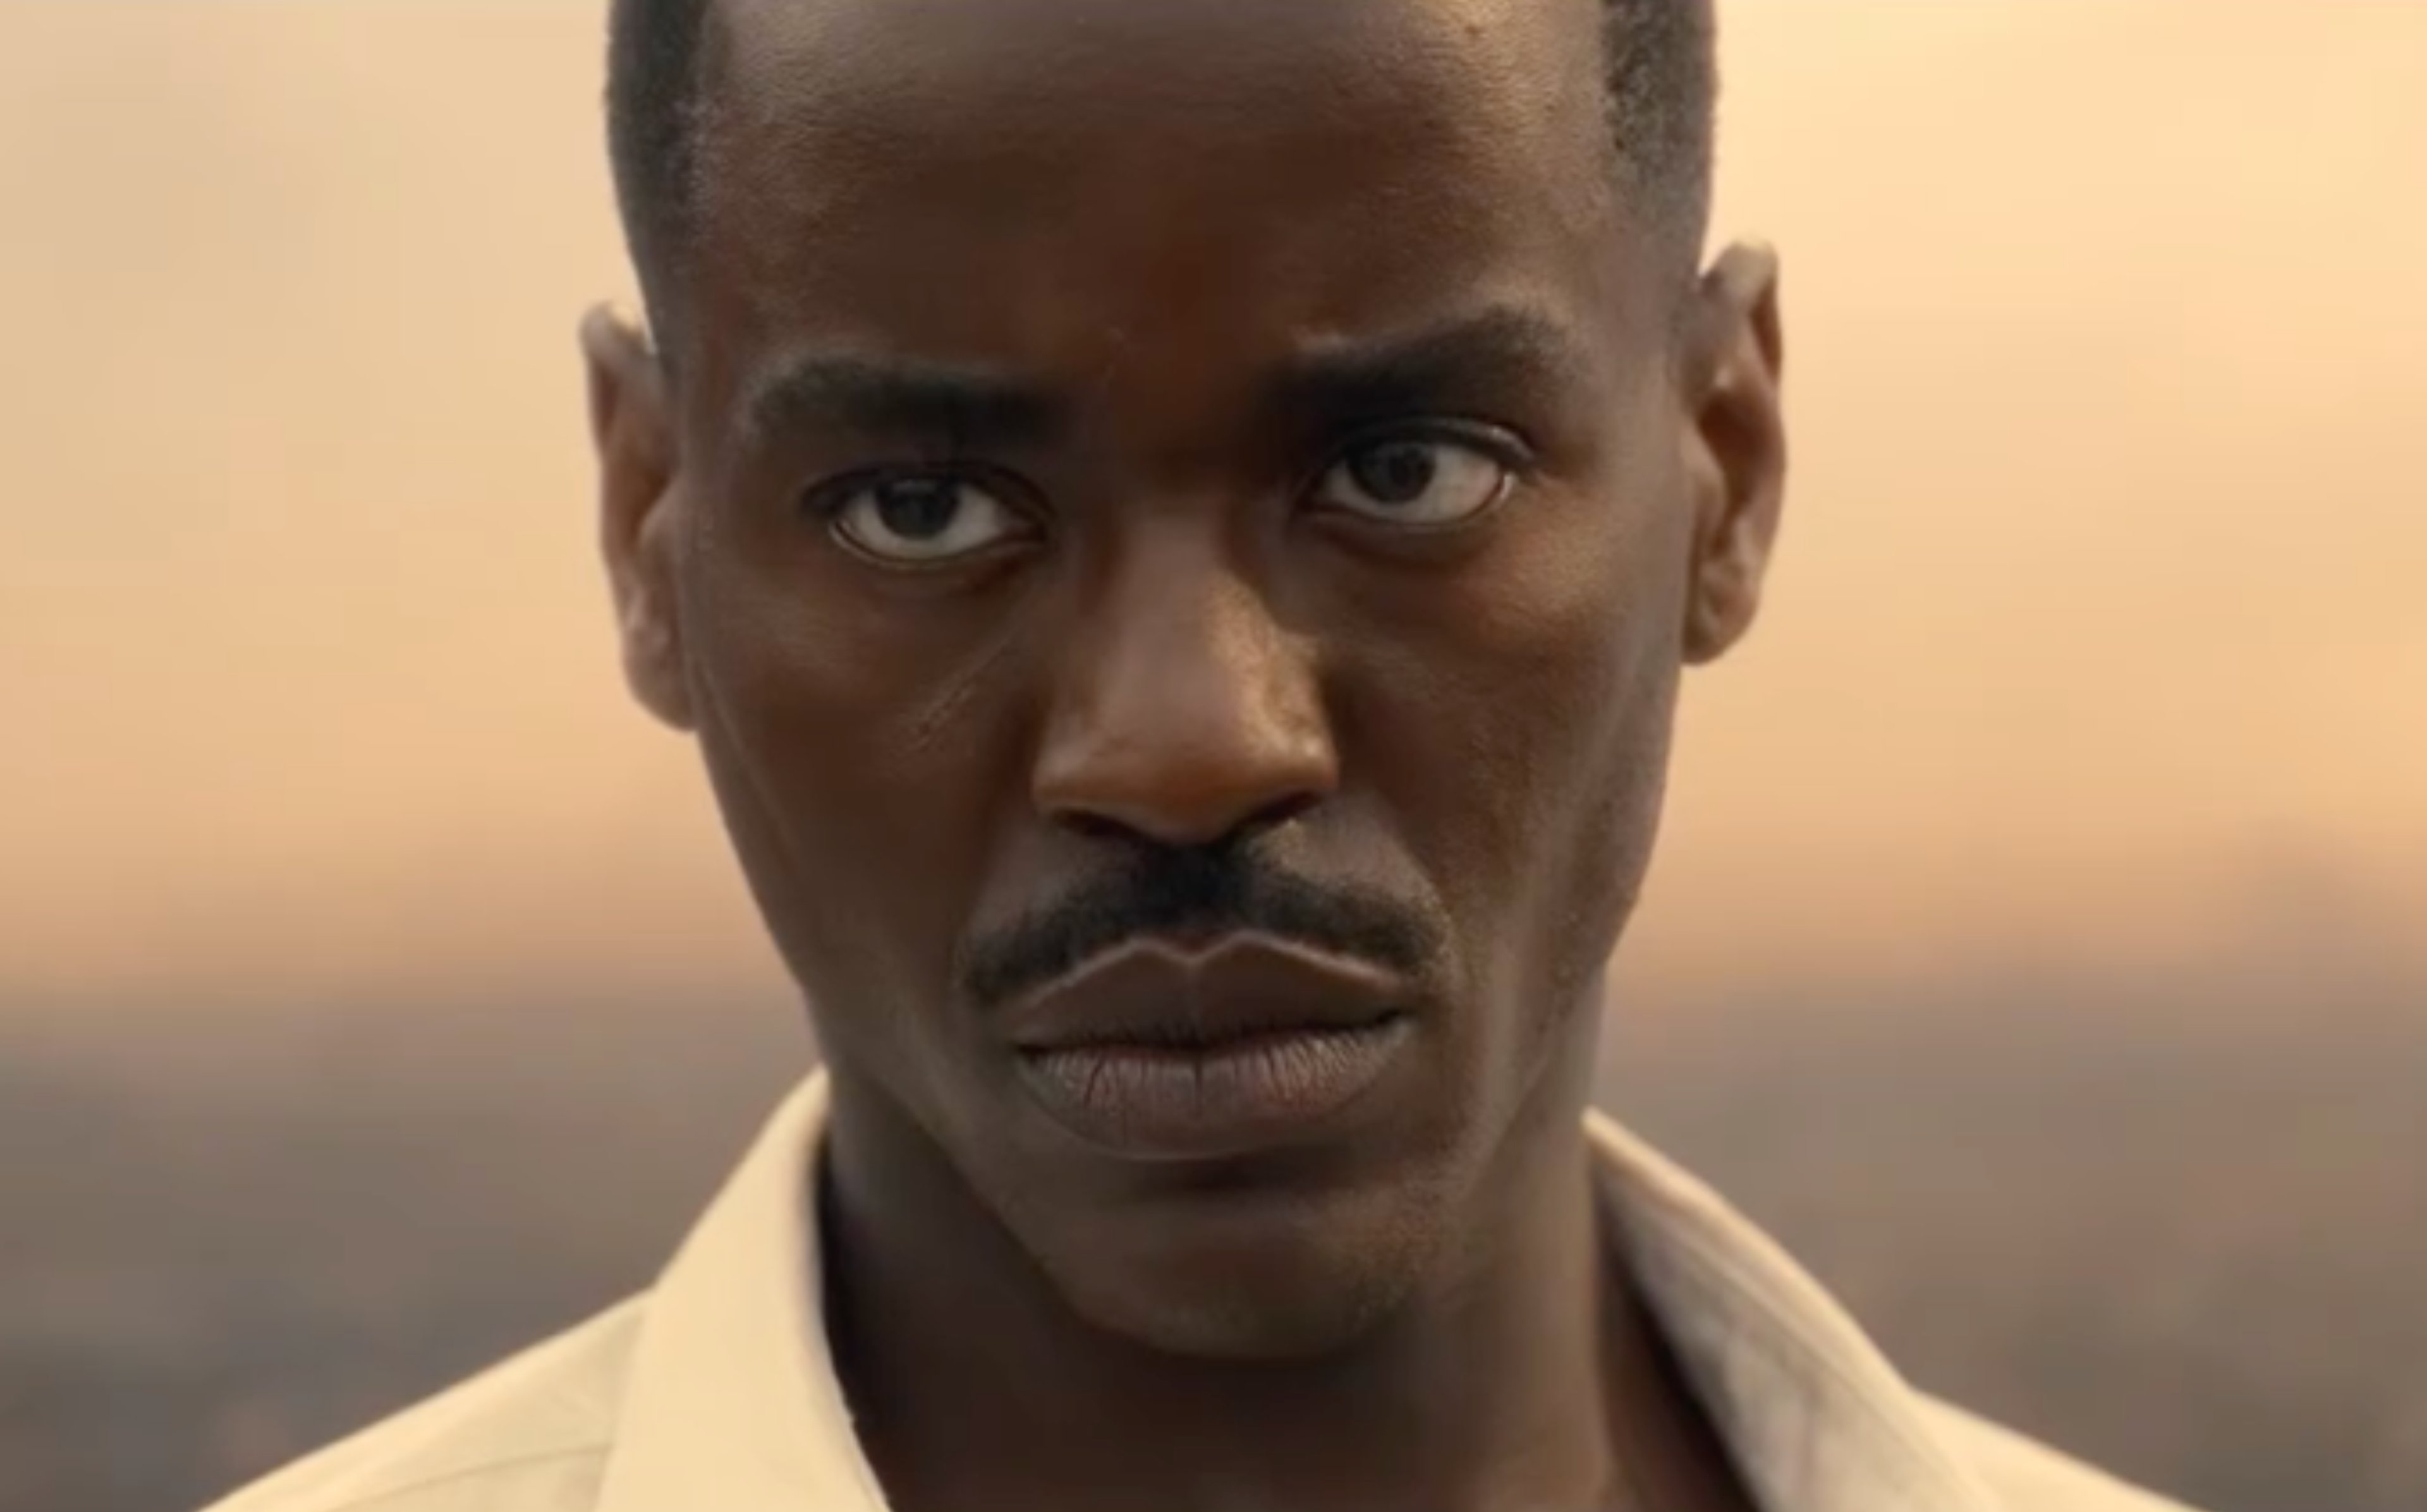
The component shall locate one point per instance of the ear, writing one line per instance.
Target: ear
(632, 433)
(1732, 371)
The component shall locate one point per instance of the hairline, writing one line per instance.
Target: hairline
(1658, 133)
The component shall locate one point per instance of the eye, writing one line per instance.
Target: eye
(1415, 480)
(922, 519)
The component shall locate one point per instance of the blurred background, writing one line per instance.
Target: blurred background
(2038, 940)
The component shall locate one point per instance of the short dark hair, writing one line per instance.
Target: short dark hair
(1660, 61)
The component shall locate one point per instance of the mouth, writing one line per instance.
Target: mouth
(1161, 1050)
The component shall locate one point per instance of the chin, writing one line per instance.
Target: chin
(1249, 1273)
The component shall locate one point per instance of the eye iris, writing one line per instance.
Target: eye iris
(1397, 472)
(918, 509)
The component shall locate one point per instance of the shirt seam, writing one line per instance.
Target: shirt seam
(536, 1457)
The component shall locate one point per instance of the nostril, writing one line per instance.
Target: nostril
(1097, 824)
(1094, 826)
(1277, 813)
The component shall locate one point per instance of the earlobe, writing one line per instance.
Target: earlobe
(631, 434)
(1739, 443)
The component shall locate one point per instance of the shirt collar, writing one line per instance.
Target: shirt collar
(733, 1402)
(1816, 1418)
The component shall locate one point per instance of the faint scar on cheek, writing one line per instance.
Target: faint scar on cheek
(945, 708)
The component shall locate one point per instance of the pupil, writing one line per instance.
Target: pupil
(1399, 473)
(919, 508)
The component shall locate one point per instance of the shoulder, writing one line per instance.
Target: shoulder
(2028, 1476)
(527, 1435)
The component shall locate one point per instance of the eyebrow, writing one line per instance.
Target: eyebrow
(968, 407)
(1463, 361)
(1466, 361)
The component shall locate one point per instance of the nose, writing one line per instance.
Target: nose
(1185, 714)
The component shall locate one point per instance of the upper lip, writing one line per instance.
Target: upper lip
(1161, 992)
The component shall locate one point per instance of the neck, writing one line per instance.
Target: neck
(975, 1386)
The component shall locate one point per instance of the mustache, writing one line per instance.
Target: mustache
(1173, 891)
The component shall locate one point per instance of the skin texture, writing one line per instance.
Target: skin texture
(1157, 282)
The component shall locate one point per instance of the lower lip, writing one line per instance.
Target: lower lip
(1200, 1102)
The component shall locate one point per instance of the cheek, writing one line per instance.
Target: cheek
(1580, 765)
(857, 761)
(1540, 689)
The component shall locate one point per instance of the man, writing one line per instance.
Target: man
(1176, 524)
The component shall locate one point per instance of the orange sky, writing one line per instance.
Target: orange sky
(2098, 628)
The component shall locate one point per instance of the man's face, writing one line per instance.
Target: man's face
(1177, 526)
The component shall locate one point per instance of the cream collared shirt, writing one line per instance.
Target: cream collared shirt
(714, 1391)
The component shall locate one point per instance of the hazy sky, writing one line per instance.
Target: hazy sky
(2098, 628)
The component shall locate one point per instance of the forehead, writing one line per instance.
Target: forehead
(1103, 188)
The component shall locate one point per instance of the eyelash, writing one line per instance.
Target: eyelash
(1500, 444)
(826, 499)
